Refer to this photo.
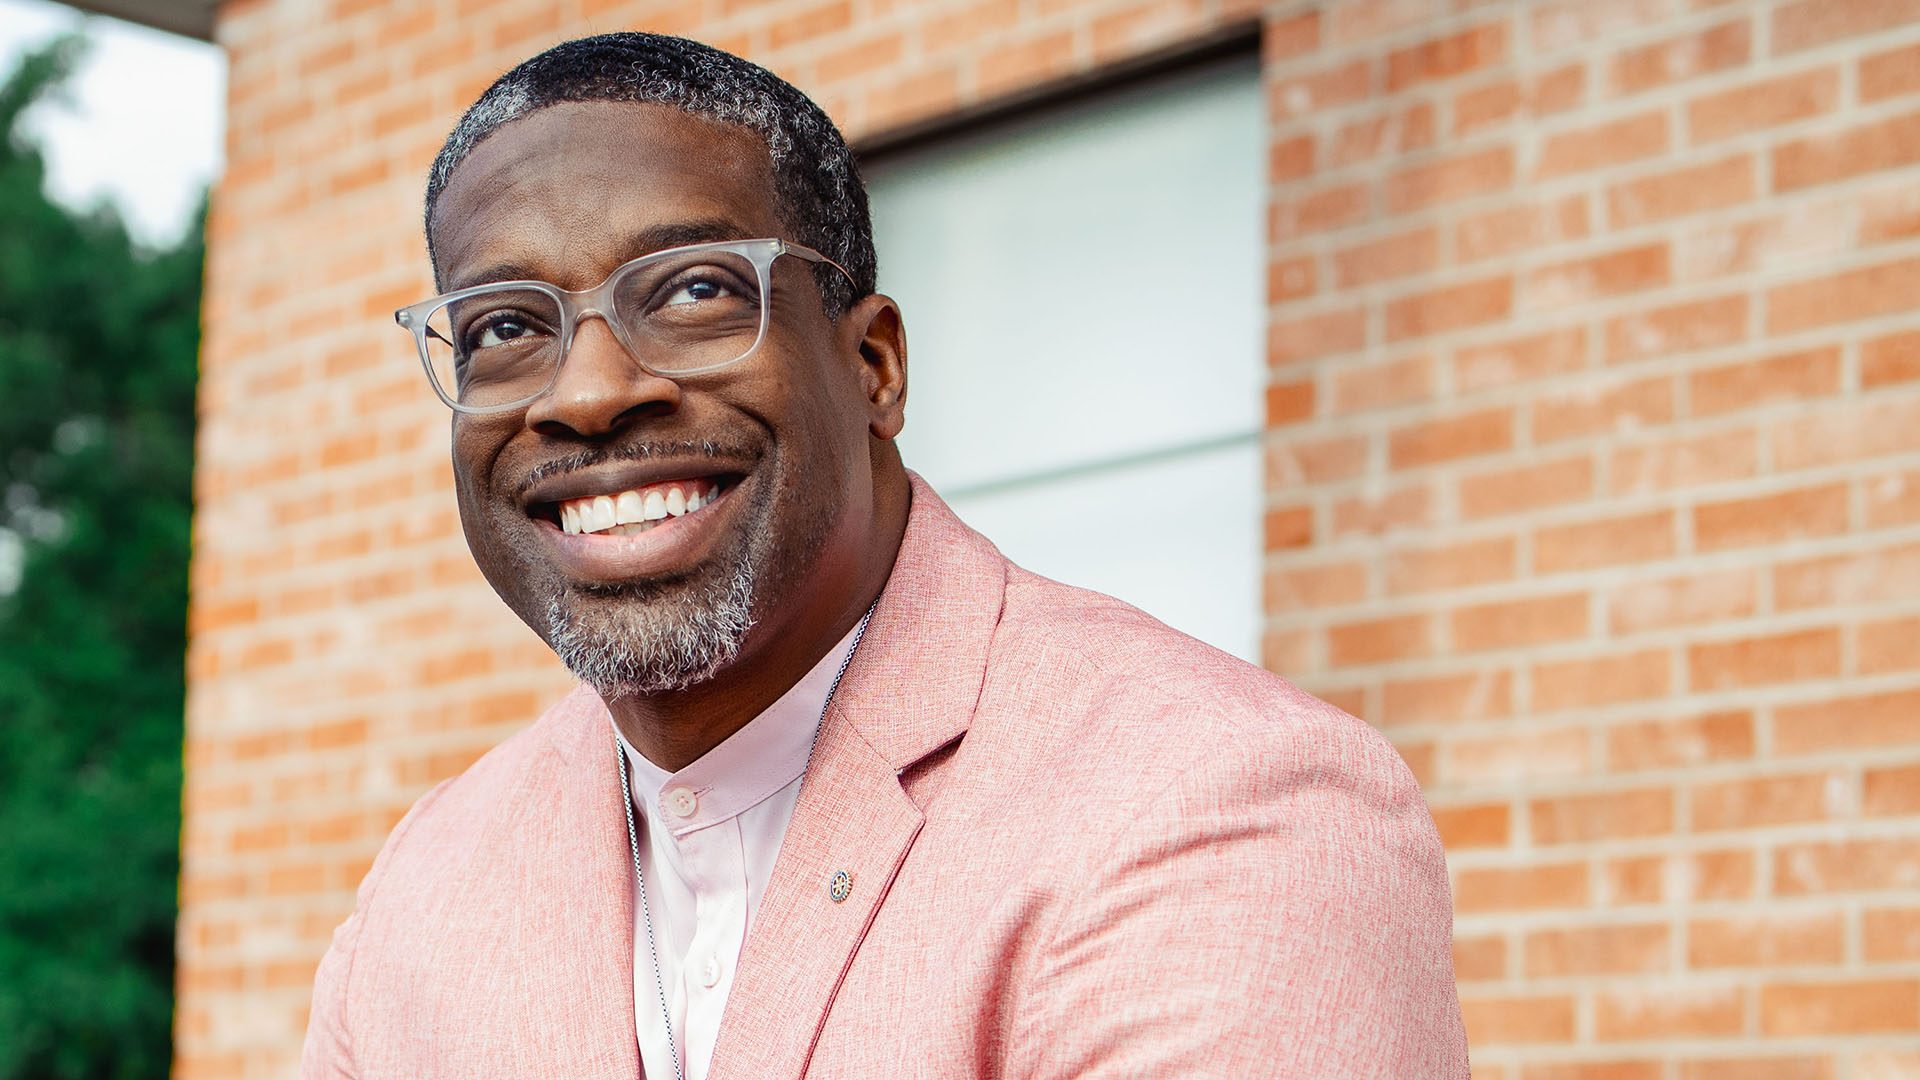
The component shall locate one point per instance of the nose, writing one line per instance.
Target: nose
(600, 389)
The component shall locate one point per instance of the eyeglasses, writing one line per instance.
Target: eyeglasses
(679, 312)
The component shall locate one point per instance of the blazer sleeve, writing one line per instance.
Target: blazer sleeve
(1276, 911)
(328, 1053)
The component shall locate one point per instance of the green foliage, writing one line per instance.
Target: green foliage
(98, 345)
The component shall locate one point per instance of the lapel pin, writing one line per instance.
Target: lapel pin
(841, 887)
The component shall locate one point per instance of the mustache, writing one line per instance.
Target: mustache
(585, 459)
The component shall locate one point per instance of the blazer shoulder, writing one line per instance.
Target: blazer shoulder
(1169, 693)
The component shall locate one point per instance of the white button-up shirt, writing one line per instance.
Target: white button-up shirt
(709, 836)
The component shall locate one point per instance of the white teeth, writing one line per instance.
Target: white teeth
(630, 511)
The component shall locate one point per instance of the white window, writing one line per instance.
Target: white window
(1083, 299)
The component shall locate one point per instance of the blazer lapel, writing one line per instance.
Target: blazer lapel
(910, 690)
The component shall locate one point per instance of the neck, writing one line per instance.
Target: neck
(676, 729)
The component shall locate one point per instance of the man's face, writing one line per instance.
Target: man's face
(773, 450)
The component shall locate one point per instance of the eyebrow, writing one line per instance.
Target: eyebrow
(645, 242)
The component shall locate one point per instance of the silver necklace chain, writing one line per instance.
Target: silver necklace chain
(633, 836)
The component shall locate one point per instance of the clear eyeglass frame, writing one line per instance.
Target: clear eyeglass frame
(574, 306)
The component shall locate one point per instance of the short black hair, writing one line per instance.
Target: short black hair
(821, 197)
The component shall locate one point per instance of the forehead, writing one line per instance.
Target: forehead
(573, 190)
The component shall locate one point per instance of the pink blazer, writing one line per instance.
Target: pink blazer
(1081, 844)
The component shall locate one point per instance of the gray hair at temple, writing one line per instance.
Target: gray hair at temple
(818, 185)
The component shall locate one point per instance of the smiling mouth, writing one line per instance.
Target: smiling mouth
(635, 510)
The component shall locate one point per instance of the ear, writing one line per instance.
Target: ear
(875, 330)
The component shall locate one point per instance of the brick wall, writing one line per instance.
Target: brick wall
(1594, 478)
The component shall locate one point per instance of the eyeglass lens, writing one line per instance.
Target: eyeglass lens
(678, 314)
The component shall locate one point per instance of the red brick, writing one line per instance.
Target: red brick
(1594, 1070)
(1614, 273)
(1292, 279)
(1762, 104)
(1601, 680)
(1303, 587)
(1519, 225)
(1865, 721)
(1647, 1013)
(1614, 142)
(1593, 543)
(1518, 360)
(1452, 438)
(1850, 431)
(1891, 791)
(1597, 950)
(1288, 527)
(1565, 23)
(1888, 645)
(1478, 172)
(1532, 887)
(1890, 934)
(1289, 403)
(1691, 189)
(1450, 566)
(1761, 801)
(1653, 879)
(1787, 377)
(1519, 623)
(1875, 576)
(1515, 757)
(1385, 385)
(1504, 1021)
(1687, 56)
(1290, 159)
(1480, 825)
(1526, 487)
(1290, 37)
(1771, 519)
(1479, 959)
(1449, 307)
(1314, 92)
(1448, 57)
(1842, 297)
(1890, 74)
(1847, 866)
(1318, 211)
(1758, 1068)
(1450, 699)
(1414, 252)
(1021, 64)
(1762, 661)
(1530, 97)
(1309, 337)
(1839, 155)
(1889, 360)
(1374, 513)
(1807, 23)
(1294, 462)
(1663, 333)
(1616, 407)
(1695, 599)
(1611, 815)
(1375, 641)
(1840, 1008)
(1680, 741)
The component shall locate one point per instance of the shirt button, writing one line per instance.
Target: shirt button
(682, 802)
(710, 973)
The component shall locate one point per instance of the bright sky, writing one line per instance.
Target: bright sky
(141, 124)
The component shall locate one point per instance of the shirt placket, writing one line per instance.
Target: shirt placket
(712, 858)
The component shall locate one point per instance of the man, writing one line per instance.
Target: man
(843, 793)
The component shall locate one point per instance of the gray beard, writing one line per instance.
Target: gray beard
(644, 640)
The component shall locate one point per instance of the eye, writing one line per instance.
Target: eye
(693, 290)
(500, 328)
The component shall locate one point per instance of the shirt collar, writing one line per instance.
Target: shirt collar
(746, 769)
